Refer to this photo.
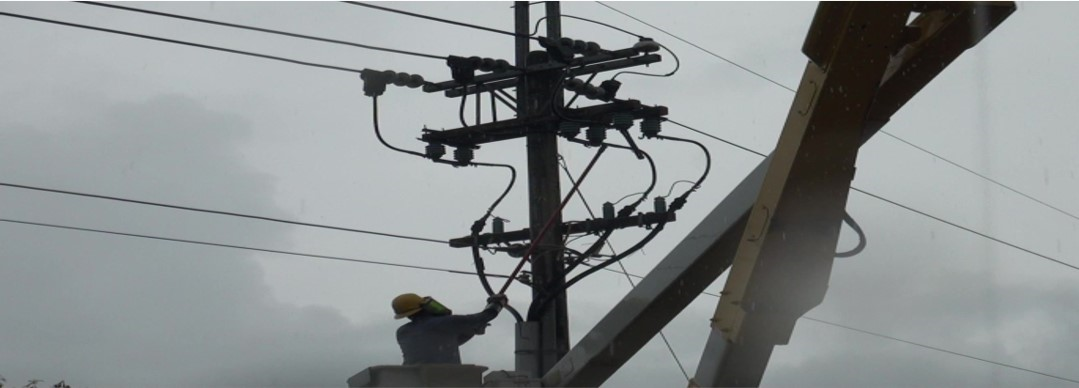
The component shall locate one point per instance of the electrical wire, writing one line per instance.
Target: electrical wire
(889, 337)
(478, 225)
(1009, 188)
(378, 134)
(677, 66)
(707, 160)
(1043, 256)
(550, 221)
(337, 258)
(440, 20)
(186, 241)
(266, 30)
(535, 29)
(677, 62)
(717, 138)
(624, 212)
(861, 237)
(695, 45)
(224, 213)
(1046, 257)
(922, 149)
(461, 110)
(624, 198)
(539, 304)
(592, 214)
(185, 43)
(937, 349)
(671, 190)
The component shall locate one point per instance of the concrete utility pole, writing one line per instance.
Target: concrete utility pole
(536, 93)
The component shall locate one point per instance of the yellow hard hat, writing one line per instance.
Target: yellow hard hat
(407, 304)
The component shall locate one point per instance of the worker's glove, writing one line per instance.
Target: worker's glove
(496, 302)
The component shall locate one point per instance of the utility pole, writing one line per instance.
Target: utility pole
(541, 119)
(536, 92)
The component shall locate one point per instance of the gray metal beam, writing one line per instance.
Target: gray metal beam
(709, 249)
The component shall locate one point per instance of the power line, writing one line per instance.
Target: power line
(732, 144)
(964, 228)
(1043, 203)
(266, 30)
(225, 213)
(325, 257)
(1073, 216)
(440, 20)
(907, 207)
(622, 266)
(199, 45)
(888, 337)
(937, 349)
(695, 45)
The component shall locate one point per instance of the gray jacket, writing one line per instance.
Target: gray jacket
(436, 339)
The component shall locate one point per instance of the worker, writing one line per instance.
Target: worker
(434, 335)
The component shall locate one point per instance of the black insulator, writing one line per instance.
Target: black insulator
(650, 127)
(569, 129)
(622, 120)
(566, 42)
(374, 82)
(608, 210)
(463, 155)
(435, 150)
(401, 79)
(610, 88)
(592, 92)
(575, 85)
(580, 46)
(593, 48)
(646, 45)
(462, 69)
(498, 225)
(487, 64)
(596, 134)
(415, 81)
(660, 205)
(501, 65)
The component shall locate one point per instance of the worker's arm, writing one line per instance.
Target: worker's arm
(468, 325)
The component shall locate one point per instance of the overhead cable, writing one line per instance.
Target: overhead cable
(1046, 257)
(632, 284)
(186, 241)
(891, 338)
(808, 318)
(185, 43)
(1009, 188)
(993, 181)
(849, 220)
(550, 222)
(695, 45)
(732, 144)
(224, 213)
(266, 30)
(911, 209)
(437, 19)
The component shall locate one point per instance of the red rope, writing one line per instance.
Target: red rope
(550, 221)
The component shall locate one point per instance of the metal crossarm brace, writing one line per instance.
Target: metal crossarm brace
(709, 249)
(514, 74)
(518, 127)
(570, 228)
(573, 72)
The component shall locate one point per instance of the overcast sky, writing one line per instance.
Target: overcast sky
(112, 115)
